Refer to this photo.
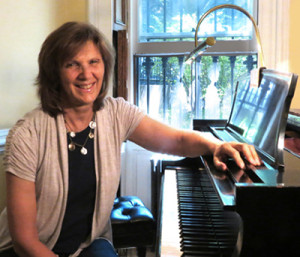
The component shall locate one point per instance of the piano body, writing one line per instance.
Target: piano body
(252, 212)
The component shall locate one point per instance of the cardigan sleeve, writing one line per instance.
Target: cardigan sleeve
(20, 157)
(126, 116)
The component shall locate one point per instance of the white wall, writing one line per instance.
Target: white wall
(24, 26)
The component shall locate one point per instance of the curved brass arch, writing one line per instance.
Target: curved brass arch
(238, 8)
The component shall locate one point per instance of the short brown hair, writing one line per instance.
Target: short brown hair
(61, 45)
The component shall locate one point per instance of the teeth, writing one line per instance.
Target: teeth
(86, 86)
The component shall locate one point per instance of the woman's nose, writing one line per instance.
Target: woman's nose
(85, 72)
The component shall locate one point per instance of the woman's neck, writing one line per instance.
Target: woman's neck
(77, 119)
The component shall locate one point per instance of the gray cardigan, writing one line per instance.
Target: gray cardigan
(36, 150)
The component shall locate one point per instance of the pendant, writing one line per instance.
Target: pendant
(71, 146)
(83, 151)
(91, 135)
(72, 134)
(92, 124)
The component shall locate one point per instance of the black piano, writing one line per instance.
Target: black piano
(251, 212)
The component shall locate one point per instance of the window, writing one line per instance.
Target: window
(166, 20)
(174, 92)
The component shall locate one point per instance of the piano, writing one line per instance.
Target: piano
(252, 212)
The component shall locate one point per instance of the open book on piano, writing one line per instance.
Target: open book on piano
(252, 212)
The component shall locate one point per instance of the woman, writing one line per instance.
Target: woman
(62, 160)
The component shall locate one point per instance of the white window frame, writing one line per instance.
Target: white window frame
(184, 46)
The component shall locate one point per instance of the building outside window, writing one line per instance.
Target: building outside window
(175, 92)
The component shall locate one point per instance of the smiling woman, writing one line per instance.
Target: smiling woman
(75, 66)
(82, 77)
(57, 61)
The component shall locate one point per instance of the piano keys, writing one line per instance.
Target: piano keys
(251, 212)
(170, 219)
(205, 228)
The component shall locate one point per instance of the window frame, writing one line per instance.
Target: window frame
(183, 47)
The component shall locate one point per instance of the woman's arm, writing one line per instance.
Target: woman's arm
(158, 137)
(21, 208)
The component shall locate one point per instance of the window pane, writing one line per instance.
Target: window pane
(177, 20)
(173, 92)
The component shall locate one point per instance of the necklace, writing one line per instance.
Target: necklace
(71, 134)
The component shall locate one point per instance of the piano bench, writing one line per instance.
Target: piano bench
(133, 224)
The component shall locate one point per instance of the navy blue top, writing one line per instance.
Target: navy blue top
(78, 217)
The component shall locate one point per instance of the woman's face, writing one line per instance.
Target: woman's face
(82, 77)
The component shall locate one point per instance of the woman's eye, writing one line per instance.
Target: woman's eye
(95, 61)
(71, 65)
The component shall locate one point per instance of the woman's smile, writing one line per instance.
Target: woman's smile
(87, 87)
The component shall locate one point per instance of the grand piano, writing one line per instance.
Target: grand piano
(252, 212)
